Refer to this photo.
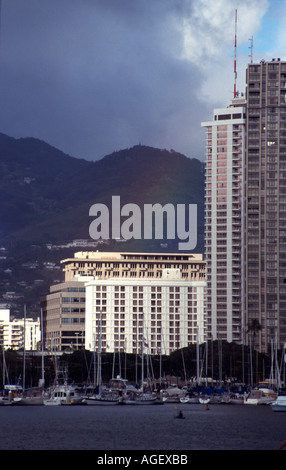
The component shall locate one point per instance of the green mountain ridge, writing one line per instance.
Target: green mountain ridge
(46, 195)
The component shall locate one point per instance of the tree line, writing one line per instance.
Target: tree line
(220, 361)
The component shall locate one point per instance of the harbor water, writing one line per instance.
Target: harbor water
(146, 427)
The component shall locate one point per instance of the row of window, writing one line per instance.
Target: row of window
(73, 310)
(73, 299)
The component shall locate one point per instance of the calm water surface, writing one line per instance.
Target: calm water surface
(223, 427)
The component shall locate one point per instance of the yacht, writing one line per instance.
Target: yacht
(64, 395)
(258, 397)
(130, 395)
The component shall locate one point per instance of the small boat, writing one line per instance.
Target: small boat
(215, 398)
(279, 404)
(225, 398)
(130, 395)
(6, 400)
(29, 397)
(204, 400)
(144, 399)
(190, 398)
(10, 393)
(64, 395)
(236, 399)
(102, 399)
(268, 388)
(138, 398)
(173, 394)
(184, 400)
(258, 397)
(26, 400)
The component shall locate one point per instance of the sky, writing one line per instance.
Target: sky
(91, 77)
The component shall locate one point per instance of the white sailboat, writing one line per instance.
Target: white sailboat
(100, 396)
(130, 395)
(32, 396)
(141, 397)
(102, 399)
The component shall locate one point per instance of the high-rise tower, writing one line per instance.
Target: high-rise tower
(265, 203)
(225, 150)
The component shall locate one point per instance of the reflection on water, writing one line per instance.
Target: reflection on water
(142, 427)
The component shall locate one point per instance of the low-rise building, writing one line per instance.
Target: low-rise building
(64, 315)
(17, 333)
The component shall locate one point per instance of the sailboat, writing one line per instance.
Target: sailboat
(265, 391)
(139, 397)
(130, 395)
(31, 397)
(34, 395)
(100, 395)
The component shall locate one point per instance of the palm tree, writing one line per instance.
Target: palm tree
(253, 327)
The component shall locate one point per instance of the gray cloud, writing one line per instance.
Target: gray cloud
(94, 76)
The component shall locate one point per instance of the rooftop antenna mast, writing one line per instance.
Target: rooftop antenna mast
(0, 22)
(235, 48)
(251, 49)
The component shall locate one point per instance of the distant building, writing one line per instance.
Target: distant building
(64, 315)
(17, 333)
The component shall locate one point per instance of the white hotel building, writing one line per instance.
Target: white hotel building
(161, 314)
(224, 231)
(122, 297)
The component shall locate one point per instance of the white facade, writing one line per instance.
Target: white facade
(160, 315)
(12, 332)
(225, 150)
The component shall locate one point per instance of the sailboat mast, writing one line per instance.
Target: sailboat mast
(24, 352)
(198, 357)
(160, 356)
(142, 366)
(4, 365)
(42, 338)
(99, 352)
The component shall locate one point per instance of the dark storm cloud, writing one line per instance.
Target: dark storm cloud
(94, 76)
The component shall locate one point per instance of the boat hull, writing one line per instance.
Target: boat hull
(189, 400)
(139, 401)
(101, 401)
(204, 401)
(276, 407)
(63, 402)
(28, 401)
(279, 404)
